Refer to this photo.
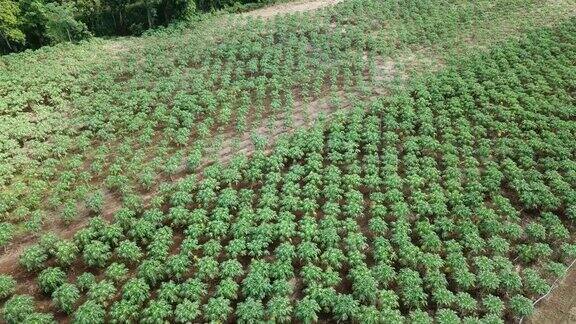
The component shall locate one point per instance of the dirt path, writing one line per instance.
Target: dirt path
(290, 7)
(560, 305)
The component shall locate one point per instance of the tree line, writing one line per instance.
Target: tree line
(34, 23)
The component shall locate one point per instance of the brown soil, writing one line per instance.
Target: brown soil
(560, 305)
(291, 7)
(116, 47)
(9, 260)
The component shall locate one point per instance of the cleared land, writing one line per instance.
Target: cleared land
(290, 8)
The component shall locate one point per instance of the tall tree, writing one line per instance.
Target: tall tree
(10, 24)
(61, 23)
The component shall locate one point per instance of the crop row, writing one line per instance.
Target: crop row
(451, 200)
(75, 133)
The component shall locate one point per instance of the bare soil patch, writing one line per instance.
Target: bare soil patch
(560, 305)
(116, 47)
(292, 7)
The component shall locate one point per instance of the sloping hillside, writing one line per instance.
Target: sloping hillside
(127, 132)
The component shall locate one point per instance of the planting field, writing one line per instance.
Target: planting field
(357, 161)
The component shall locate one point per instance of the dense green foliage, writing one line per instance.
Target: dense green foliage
(450, 196)
(77, 127)
(7, 286)
(451, 199)
(34, 23)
